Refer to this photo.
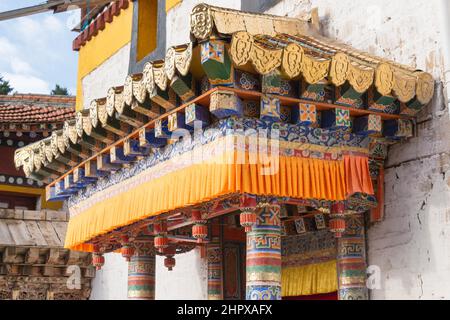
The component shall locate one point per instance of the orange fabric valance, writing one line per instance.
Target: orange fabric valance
(143, 196)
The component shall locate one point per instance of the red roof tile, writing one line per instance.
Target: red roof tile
(36, 109)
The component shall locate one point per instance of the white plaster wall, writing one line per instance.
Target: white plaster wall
(412, 245)
(110, 283)
(187, 281)
(109, 74)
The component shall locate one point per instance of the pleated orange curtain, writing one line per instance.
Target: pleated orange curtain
(294, 177)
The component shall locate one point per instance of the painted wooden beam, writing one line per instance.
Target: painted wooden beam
(336, 119)
(196, 113)
(162, 129)
(217, 63)
(150, 109)
(270, 108)
(117, 156)
(184, 87)
(225, 104)
(368, 125)
(147, 139)
(398, 129)
(104, 163)
(131, 148)
(305, 114)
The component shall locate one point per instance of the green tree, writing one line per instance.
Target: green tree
(60, 91)
(5, 87)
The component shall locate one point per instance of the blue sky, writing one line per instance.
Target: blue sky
(36, 51)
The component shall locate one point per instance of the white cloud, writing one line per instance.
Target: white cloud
(53, 24)
(24, 83)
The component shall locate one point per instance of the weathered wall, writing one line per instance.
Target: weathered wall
(411, 246)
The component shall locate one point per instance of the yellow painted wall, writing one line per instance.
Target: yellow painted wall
(32, 191)
(147, 28)
(105, 44)
(172, 3)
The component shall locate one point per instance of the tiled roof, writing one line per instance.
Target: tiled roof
(36, 109)
(98, 23)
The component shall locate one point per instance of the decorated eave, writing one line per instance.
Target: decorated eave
(236, 61)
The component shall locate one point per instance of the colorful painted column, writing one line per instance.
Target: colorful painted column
(351, 260)
(215, 276)
(264, 255)
(141, 273)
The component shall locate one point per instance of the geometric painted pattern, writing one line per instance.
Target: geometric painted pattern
(264, 256)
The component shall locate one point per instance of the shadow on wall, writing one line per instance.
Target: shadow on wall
(411, 245)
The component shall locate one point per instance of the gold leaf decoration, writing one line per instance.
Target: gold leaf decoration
(37, 159)
(101, 112)
(384, 79)
(110, 101)
(79, 123)
(265, 60)
(425, 87)
(169, 64)
(340, 66)
(314, 70)
(54, 144)
(139, 91)
(119, 103)
(201, 21)
(292, 60)
(241, 48)
(160, 76)
(183, 60)
(148, 79)
(360, 79)
(93, 113)
(48, 151)
(21, 156)
(128, 91)
(87, 125)
(404, 87)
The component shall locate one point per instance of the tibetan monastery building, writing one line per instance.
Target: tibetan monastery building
(269, 150)
(34, 265)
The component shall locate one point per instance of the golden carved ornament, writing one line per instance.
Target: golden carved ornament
(87, 124)
(404, 87)
(148, 79)
(54, 144)
(139, 91)
(241, 48)
(292, 60)
(28, 165)
(60, 140)
(37, 159)
(360, 79)
(79, 123)
(314, 70)
(384, 79)
(66, 130)
(101, 111)
(425, 87)
(110, 101)
(119, 101)
(93, 113)
(20, 156)
(48, 151)
(183, 60)
(340, 67)
(127, 92)
(160, 76)
(72, 131)
(201, 21)
(169, 63)
(265, 60)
